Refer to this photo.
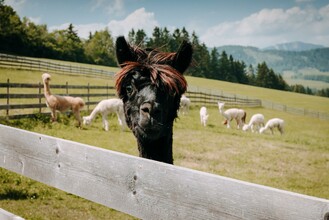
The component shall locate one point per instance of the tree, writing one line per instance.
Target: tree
(200, 59)
(214, 64)
(140, 38)
(267, 78)
(69, 45)
(12, 35)
(224, 67)
(100, 48)
(36, 39)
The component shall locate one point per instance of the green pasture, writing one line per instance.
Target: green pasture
(295, 77)
(297, 161)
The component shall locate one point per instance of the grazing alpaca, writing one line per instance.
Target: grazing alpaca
(232, 113)
(105, 107)
(204, 116)
(257, 120)
(184, 104)
(61, 103)
(150, 84)
(273, 123)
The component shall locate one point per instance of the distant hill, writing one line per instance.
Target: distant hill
(307, 67)
(294, 46)
(281, 60)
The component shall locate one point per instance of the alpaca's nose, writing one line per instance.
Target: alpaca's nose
(149, 109)
(146, 109)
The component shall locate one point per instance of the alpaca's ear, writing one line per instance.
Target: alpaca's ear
(124, 51)
(183, 57)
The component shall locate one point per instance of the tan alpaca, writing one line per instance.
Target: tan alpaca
(61, 103)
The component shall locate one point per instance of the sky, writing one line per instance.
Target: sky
(258, 23)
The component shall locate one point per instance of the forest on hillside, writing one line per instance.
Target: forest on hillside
(23, 37)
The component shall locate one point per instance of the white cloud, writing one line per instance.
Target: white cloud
(115, 7)
(17, 5)
(83, 30)
(59, 27)
(35, 20)
(273, 26)
(139, 19)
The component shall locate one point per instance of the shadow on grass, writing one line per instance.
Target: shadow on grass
(14, 194)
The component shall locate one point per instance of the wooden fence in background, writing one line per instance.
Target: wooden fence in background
(26, 63)
(17, 104)
(144, 188)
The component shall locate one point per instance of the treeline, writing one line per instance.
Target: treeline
(23, 37)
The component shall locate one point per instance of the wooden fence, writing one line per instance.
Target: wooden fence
(144, 188)
(12, 99)
(15, 104)
(19, 62)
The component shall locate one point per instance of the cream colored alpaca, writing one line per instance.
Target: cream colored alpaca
(61, 103)
(104, 108)
(273, 123)
(232, 113)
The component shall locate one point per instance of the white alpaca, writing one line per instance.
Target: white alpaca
(105, 107)
(61, 103)
(273, 123)
(257, 120)
(204, 116)
(184, 104)
(232, 113)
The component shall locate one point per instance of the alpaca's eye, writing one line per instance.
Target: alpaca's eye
(129, 89)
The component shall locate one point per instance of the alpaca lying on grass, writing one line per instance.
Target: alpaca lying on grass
(273, 123)
(232, 113)
(256, 121)
(61, 103)
(184, 104)
(104, 108)
(204, 116)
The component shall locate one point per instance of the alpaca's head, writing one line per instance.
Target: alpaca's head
(245, 127)
(86, 120)
(221, 105)
(150, 84)
(46, 77)
(262, 129)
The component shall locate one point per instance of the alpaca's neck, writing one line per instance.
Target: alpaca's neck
(223, 113)
(46, 89)
(160, 149)
(93, 113)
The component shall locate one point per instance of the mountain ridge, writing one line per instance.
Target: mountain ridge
(294, 46)
(280, 60)
(307, 67)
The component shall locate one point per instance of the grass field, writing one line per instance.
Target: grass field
(298, 161)
(296, 77)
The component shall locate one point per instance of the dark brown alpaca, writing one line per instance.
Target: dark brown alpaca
(150, 84)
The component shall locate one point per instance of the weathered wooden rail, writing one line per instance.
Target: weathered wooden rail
(144, 188)
(27, 63)
(14, 99)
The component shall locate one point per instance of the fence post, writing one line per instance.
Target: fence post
(39, 97)
(7, 110)
(88, 93)
(67, 88)
(107, 90)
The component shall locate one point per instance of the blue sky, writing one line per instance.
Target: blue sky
(259, 23)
